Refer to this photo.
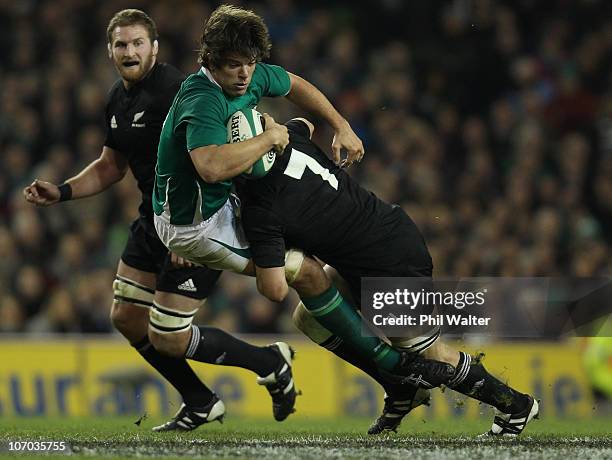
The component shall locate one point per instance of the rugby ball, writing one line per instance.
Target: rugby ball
(244, 125)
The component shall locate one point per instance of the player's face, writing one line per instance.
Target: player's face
(234, 74)
(132, 52)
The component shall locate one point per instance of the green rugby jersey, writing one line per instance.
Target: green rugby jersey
(198, 117)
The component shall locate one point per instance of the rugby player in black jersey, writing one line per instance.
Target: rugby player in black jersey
(148, 276)
(308, 202)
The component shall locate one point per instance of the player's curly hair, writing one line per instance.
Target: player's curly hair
(233, 30)
(131, 17)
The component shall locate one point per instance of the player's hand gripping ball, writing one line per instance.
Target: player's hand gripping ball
(244, 125)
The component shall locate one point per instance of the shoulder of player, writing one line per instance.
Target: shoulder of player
(298, 129)
(305, 146)
(264, 70)
(199, 82)
(166, 77)
(168, 69)
(117, 86)
(197, 88)
(264, 67)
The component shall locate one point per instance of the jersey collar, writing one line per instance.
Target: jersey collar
(208, 74)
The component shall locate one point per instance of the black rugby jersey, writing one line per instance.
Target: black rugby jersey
(134, 119)
(308, 202)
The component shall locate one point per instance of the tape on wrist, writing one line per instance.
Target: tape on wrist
(65, 192)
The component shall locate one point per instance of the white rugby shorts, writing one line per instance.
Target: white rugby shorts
(218, 242)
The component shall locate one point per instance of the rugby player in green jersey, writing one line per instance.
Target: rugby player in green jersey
(194, 214)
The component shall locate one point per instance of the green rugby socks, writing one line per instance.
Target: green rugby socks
(335, 314)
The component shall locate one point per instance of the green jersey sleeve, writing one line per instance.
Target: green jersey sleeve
(203, 117)
(276, 80)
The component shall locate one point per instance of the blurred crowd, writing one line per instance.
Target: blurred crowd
(489, 121)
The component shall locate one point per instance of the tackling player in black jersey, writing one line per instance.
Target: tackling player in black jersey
(308, 202)
(150, 281)
(306, 196)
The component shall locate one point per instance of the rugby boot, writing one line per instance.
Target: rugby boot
(514, 424)
(395, 410)
(280, 383)
(189, 417)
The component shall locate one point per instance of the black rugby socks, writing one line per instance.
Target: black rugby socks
(214, 346)
(177, 372)
(473, 380)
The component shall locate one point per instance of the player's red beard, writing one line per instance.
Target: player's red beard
(137, 72)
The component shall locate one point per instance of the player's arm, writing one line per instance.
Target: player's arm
(216, 163)
(100, 174)
(309, 98)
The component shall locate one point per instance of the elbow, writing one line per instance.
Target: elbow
(276, 292)
(208, 165)
(210, 176)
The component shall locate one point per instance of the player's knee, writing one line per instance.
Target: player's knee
(129, 320)
(173, 345)
(343, 287)
(276, 292)
(130, 310)
(170, 329)
(294, 261)
(118, 317)
(311, 279)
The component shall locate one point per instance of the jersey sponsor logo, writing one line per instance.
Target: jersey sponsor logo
(137, 117)
(187, 286)
(235, 135)
(113, 122)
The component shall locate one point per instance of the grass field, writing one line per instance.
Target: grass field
(310, 439)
